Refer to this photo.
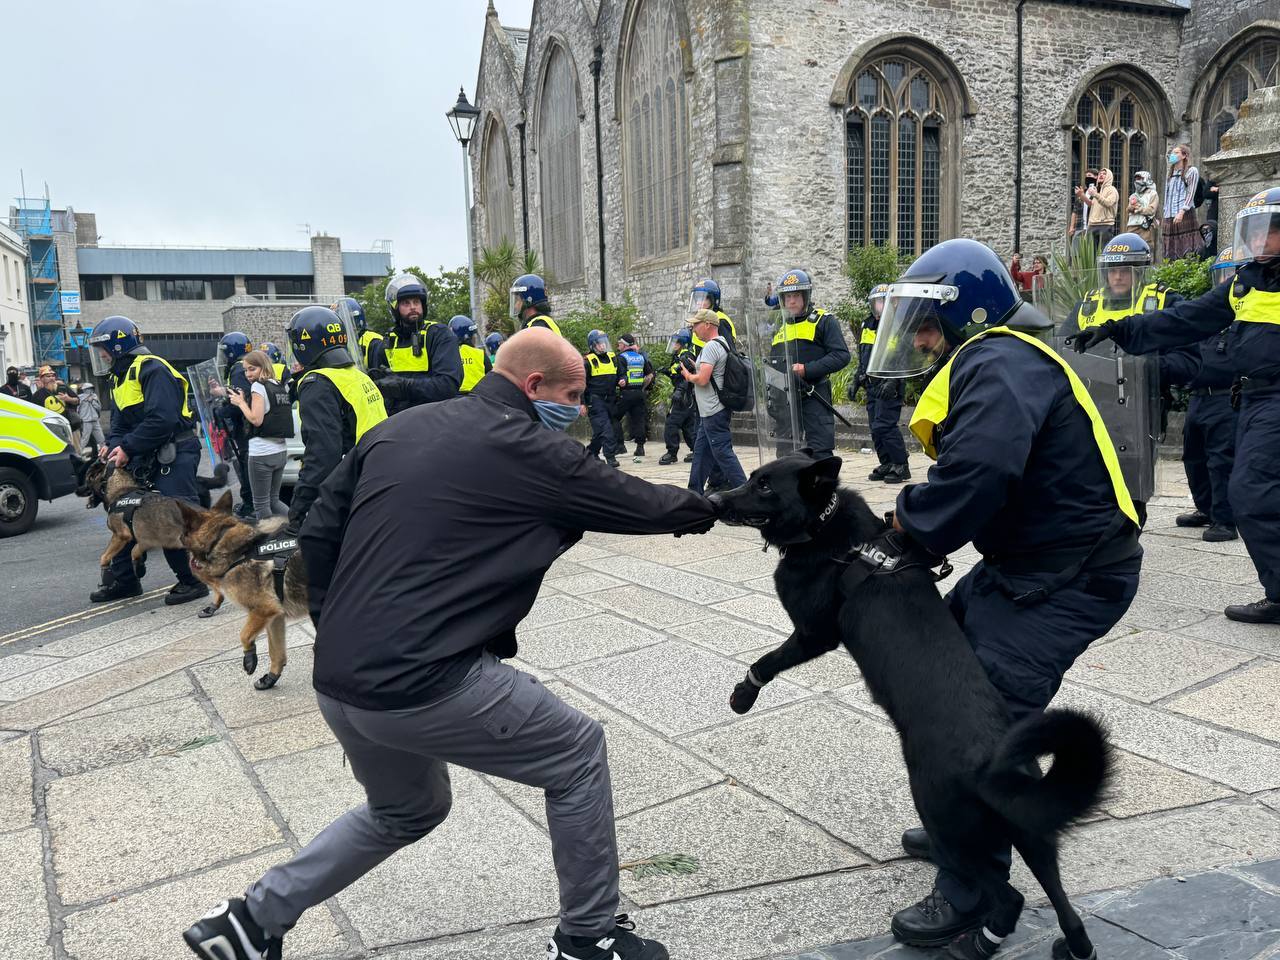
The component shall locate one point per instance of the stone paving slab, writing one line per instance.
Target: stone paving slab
(277, 738)
(555, 609)
(16, 664)
(239, 704)
(175, 685)
(831, 671)
(673, 551)
(589, 638)
(1263, 639)
(766, 611)
(24, 916)
(1144, 786)
(650, 607)
(656, 576)
(728, 636)
(1147, 613)
(120, 827)
(837, 769)
(148, 925)
(102, 635)
(1151, 665)
(581, 584)
(673, 687)
(17, 808)
(739, 840)
(1248, 700)
(76, 746)
(736, 567)
(1239, 762)
(1194, 591)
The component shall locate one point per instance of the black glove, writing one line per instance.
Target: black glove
(392, 387)
(1092, 336)
(702, 527)
(378, 373)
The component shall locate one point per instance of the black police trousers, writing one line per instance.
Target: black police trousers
(633, 408)
(1208, 450)
(1025, 651)
(884, 408)
(177, 480)
(682, 421)
(599, 414)
(1255, 485)
(817, 425)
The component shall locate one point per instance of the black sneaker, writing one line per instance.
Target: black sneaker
(246, 512)
(621, 944)
(611, 461)
(667, 459)
(934, 922)
(1220, 533)
(116, 591)
(185, 593)
(1260, 611)
(879, 472)
(227, 932)
(897, 473)
(1193, 519)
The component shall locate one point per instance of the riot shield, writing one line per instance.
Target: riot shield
(352, 330)
(777, 423)
(208, 398)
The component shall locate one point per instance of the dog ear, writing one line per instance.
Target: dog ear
(820, 478)
(224, 503)
(192, 517)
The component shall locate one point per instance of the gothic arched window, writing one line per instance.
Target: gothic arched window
(1257, 65)
(499, 202)
(898, 156)
(560, 170)
(1115, 127)
(655, 118)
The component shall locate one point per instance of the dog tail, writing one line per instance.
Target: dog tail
(217, 481)
(1075, 783)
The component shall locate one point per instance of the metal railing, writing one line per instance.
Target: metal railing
(247, 299)
(206, 246)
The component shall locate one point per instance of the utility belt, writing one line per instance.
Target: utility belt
(146, 466)
(1258, 385)
(1118, 542)
(1211, 392)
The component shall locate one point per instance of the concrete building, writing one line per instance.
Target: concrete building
(640, 144)
(15, 310)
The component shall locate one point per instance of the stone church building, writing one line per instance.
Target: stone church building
(640, 144)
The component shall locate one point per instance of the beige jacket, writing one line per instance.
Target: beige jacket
(1104, 200)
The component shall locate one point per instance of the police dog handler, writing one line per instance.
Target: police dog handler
(468, 502)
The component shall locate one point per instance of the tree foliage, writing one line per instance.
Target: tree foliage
(1188, 276)
(448, 295)
(496, 269)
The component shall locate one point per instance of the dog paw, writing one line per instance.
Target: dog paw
(140, 568)
(250, 661)
(266, 681)
(743, 697)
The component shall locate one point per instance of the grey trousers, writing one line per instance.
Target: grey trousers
(499, 721)
(266, 471)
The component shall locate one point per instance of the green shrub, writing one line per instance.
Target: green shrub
(496, 269)
(1188, 276)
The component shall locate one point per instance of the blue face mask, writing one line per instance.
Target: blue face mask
(1175, 157)
(556, 416)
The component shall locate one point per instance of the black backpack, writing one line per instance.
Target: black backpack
(1198, 199)
(738, 391)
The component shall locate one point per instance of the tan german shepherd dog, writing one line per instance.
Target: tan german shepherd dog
(225, 555)
(157, 521)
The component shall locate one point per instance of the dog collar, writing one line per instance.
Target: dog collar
(812, 530)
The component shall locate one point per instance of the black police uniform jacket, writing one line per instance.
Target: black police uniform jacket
(442, 378)
(430, 540)
(145, 427)
(328, 432)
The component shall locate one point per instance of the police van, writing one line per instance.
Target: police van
(35, 462)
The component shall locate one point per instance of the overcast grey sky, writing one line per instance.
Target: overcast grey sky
(234, 122)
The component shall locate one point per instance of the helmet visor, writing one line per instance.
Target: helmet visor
(1120, 286)
(347, 318)
(516, 304)
(700, 300)
(910, 340)
(1257, 235)
(675, 345)
(99, 360)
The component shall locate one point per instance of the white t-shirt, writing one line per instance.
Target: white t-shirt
(264, 446)
(713, 353)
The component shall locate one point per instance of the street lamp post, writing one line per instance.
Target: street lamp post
(462, 118)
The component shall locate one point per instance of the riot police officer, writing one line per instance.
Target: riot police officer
(682, 417)
(807, 348)
(884, 400)
(276, 356)
(369, 343)
(706, 296)
(231, 350)
(423, 364)
(1122, 285)
(529, 306)
(1209, 431)
(151, 436)
(635, 377)
(1027, 473)
(337, 402)
(600, 396)
(1250, 306)
(491, 344)
(475, 361)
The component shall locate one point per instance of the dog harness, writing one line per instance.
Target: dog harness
(127, 504)
(890, 553)
(276, 549)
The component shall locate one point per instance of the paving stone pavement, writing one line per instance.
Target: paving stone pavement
(142, 778)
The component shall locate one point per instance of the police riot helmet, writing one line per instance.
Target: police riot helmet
(679, 340)
(794, 281)
(353, 308)
(1122, 266)
(403, 286)
(493, 341)
(111, 339)
(273, 351)
(1224, 266)
(464, 328)
(952, 292)
(315, 331)
(232, 347)
(706, 295)
(878, 292)
(529, 290)
(1257, 234)
(595, 337)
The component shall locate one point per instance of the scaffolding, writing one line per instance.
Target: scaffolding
(37, 223)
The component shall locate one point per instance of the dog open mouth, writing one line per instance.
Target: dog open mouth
(734, 518)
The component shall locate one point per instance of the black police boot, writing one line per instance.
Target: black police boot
(185, 593)
(245, 511)
(916, 843)
(1193, 519)
(115, 591)
(897, 473)
(639, 453)
(934, 922)
(667, 458)
(611, 461)
(622, 448)
(227, 932)
(1260, 611)
(620, 944)
(688, 457)
(1220, 533)
(879, 472)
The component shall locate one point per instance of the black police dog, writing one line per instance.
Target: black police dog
(971, 771)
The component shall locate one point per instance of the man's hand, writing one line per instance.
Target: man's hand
(798, 370)
(1178, 217)
(392, 387)
(1092, 336)
(378, 373)
(118, 457)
